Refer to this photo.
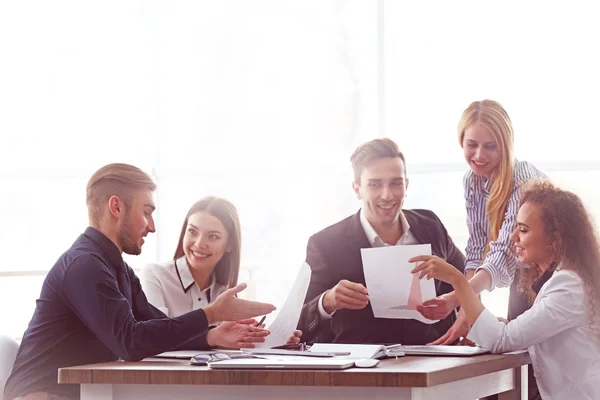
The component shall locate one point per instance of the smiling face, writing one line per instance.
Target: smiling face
(481, 150)
(532, 244)
(205, 241)
(381, 189)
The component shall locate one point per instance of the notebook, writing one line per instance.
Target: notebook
(359, 351)
(396, 350)
(297, 363)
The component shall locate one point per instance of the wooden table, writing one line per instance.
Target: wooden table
(418, 378)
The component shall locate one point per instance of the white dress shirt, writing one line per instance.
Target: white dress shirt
(171, 288)
(556, 331)
(406, 239)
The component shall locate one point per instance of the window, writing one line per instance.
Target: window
(262, 102)
(259, 102)
(440, 56)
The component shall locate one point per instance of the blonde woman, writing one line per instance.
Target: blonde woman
(561, 331)
(492, 199)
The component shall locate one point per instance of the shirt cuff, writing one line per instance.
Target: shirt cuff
(322, 311)
(471, 265)
(485, 330)
(485, 267)
(494, 275)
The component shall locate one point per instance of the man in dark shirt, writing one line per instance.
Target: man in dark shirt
(92, 308)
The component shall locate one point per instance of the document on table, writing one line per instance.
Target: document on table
(393, 291)
(286, 320)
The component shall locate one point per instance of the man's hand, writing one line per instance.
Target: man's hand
(438, 308)
(346, 295)
(227, 307)
(235, 335)
(460, 328)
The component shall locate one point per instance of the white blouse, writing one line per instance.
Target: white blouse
(556, 331)
(171, 288)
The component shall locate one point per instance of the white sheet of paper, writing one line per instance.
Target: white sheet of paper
(390, 283)
(286, 320)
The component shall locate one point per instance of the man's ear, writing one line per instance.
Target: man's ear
(356, 188)
(116, 207)
(405, 185)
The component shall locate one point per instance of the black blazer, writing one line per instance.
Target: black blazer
(334, 254)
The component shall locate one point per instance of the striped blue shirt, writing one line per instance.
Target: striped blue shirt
(500, 262)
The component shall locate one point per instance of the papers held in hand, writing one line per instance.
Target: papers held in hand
(393, 291)
(284, 324)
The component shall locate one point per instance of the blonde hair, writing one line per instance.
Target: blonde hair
(121, 180)
(493, 117)
(375, 149)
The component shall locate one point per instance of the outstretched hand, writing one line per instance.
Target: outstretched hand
(235, 335)
(228, 307)
(460, 328)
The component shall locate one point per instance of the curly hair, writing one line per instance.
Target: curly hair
(573, 237)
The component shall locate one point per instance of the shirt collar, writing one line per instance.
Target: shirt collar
(185, 275)
(110, 250)
(481, 184)
(372, 235)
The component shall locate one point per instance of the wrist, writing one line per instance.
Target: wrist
(211, 314)
(453, 299)
(211, 337)
(470, 274)
(328, 305)
(460, 283)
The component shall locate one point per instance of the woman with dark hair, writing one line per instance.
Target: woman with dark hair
(206, 263)
(561, 330)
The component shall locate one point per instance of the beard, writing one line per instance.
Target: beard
(128, 239)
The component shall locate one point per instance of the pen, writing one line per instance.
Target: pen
(262, 320)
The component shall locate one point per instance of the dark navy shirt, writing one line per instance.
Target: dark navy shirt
(92, 309)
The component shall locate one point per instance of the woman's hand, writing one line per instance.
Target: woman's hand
(435, 267)
(294, 339)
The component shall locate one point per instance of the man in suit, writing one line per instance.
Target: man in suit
(337, 305)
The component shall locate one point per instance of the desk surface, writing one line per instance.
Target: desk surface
(409, 371)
